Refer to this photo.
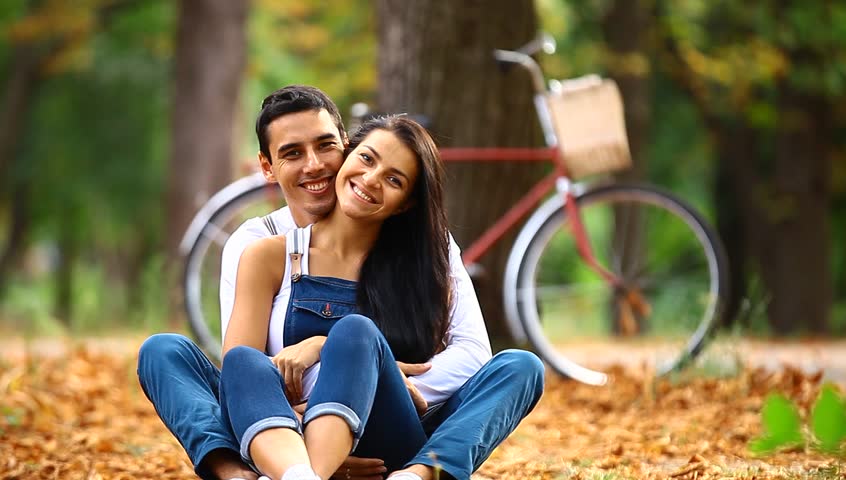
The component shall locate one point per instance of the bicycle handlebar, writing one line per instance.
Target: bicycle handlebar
(523, 57)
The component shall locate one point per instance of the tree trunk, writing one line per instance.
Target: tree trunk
(17, 97)
(436, 59)
(626, 26)
(795, 241)
(208, 67)
(209, 64)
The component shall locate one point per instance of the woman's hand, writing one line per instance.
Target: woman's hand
(293, 361)
(355, 468)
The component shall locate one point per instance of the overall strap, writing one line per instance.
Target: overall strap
(270, 224)
(295, 245)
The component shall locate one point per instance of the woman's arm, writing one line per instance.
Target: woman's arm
(260, 272)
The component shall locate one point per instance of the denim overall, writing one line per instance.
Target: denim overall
(358, 373)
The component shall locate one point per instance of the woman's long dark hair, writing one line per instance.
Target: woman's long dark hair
(404, 284)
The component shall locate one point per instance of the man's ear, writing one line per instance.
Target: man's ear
(266, 168)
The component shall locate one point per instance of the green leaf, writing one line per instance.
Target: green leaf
(781, 425)
(828, 419)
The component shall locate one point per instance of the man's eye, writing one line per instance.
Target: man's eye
(291, 154)
(327, 146)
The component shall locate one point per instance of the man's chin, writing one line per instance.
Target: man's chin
(320, 208)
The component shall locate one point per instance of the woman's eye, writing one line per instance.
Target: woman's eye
(395, 181)
(365, 158)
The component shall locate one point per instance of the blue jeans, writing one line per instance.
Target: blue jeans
(358, 375)
(183, 386)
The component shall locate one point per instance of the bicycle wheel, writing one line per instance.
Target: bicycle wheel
(244, 199)
(674, 279)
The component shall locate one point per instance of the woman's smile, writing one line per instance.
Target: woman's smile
(361, 193)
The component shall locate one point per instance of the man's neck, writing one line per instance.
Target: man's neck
(302, 218)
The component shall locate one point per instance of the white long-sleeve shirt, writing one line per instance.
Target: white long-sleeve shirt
(468, 346)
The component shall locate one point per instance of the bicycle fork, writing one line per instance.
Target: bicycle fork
(629, 302)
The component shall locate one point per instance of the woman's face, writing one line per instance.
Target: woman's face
(377, 178)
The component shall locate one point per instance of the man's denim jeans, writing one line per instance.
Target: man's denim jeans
(183, 385)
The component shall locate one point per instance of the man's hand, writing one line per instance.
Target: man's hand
(411, 369)
(355, 468)
(293, 361)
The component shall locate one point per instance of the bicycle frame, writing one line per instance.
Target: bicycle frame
(556, 179)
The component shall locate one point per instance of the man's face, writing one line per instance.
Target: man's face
(307, 151)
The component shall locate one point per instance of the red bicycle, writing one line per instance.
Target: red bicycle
(596, 267)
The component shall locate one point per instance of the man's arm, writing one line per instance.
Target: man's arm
(468, 346)
(250, 231)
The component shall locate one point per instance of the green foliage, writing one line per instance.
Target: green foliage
(783, 428)
(781, 424)
(828, 420)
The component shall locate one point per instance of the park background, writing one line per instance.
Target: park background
(119, 118)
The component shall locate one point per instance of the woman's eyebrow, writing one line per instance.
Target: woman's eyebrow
(375, 153)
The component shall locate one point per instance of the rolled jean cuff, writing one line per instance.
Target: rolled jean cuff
(339, 410)
(262, 425)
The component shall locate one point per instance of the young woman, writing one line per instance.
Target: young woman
(366, 286)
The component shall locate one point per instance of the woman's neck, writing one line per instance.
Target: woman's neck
(344, 237)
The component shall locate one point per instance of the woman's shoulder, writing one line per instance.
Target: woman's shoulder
(267, 254)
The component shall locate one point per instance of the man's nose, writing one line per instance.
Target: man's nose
(313, 161)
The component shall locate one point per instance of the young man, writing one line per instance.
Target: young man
(301, 140)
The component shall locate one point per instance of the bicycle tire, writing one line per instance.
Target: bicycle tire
(201, 273)
(532, 263)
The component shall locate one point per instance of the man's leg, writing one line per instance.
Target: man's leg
(182, 384)
(482, 413)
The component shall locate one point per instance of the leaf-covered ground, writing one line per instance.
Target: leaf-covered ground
(78, 413)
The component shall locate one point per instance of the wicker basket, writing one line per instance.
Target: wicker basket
(588, 116)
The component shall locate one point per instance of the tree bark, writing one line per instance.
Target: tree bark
(626, 26)
(17, 97)
(795, 241)
(436, 59)
(208, 72)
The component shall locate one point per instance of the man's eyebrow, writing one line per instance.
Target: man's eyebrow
(325, 136)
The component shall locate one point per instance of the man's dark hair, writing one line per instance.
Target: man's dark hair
(293, 99)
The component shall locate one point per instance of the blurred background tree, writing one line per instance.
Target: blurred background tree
(737, 107)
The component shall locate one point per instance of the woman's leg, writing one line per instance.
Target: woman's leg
(182, 383)
(360, 401)
(252, 396)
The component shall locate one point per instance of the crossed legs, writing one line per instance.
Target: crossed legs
(358, 376)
